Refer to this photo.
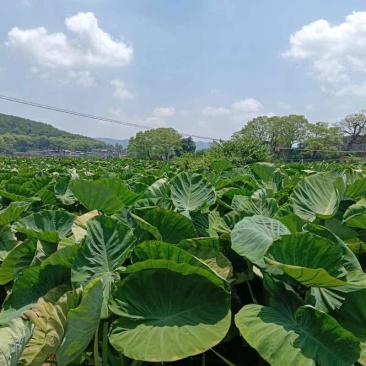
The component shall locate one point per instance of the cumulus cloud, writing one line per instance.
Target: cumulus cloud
(215, 111)
(163, 112)
(336, 53)
(120, 91)
(89, 45)
(247, 106)
(242, 108)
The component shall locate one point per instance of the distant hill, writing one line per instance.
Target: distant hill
(21, 134)
(200, 145)
(113, 142)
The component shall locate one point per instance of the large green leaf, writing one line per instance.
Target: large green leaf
(190, 192)
(107, 244)
(154, 254)
(51, 226)
(356, 189)
(12, 212)
(13, 338)
(355, 216)
(252, 206)
(207, 250)
(318, 195)
(149, 330)
(49, 318)
(7, 268)
(96, 195)
(62, 191)
(312, 260)
(307, 338)
(168, 226)
(81, 323)
(252, 235)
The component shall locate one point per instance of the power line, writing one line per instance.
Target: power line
(66, 111)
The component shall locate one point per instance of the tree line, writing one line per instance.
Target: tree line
(274, 135)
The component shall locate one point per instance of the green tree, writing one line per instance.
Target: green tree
(276, 131)
(159, 144)
(241, 150)
(353, 127)
(187, 146)
(322, 140)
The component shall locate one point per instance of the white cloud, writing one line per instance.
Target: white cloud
(248, 106)
(215, 111)
(202, 123)
(120, 91)
(336, 53)
(90, 46)
(163, 112)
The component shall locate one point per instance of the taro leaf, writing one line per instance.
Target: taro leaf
(12, 212)
(49, 318)
(126, 196)
(349, 260)
(190, 192)
(352, 316)
(106, 247)
(158, 189)
(50, 226)
(148, 330)
(312, 260)
(318, 195)
(308, 337)
(13, 338)
(206, 249)
(356, 189)
(252, 206)
(355, 216)
(7, 241)
(263, 170)
(19, 194)
(79, 225)
(7, 268)
(34, 282)
(63, 193)
(81, 323)
(151, 254)
(220, 166)
(165, 225)
(252, 235)
(95, 195)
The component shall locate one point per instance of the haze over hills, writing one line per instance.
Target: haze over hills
(200, 145)
(19, 134)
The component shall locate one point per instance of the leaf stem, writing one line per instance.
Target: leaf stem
(96, 352)
(105, 344)
(251, 293)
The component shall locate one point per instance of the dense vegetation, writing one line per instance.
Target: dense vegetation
(123, 262)
(20, 134)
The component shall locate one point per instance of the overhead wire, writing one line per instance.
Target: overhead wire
(98, 118)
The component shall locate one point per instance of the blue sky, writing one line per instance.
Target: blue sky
(201, 66)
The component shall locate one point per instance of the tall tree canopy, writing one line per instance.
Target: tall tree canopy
(159, 143)
(353, 127)
(276, 131)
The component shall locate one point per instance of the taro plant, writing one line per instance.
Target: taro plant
(130, 263)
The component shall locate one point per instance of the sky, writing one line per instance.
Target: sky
(203, 67)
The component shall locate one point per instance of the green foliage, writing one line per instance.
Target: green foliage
(21, 135)
(155, 144)
(121, 262)
(242, 150)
